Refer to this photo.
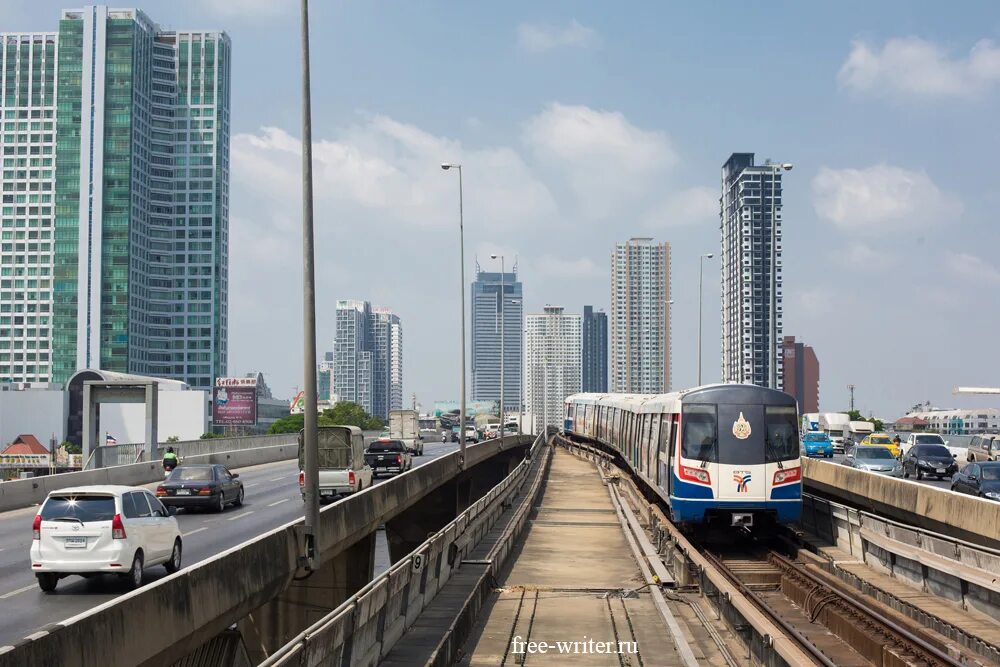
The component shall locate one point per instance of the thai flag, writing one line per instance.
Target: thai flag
(109, 440)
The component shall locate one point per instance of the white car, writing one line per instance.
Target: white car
(89, 530)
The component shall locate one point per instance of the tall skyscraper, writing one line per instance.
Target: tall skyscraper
(486, 334)
(801, 373)
(595, 350)
(640, 317)
(368, 357)
(552, 364)
(751, 217)
(388, 361)
(115, 145)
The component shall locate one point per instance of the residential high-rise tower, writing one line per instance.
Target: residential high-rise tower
(368, 357)
(751, 221)
(640, 317)
(801, 373)
(116, 160)
(552, 365)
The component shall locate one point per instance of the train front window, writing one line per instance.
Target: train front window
(699, 441)
(782, 434)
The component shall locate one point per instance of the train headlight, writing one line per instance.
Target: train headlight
(787, 475)
(698, 475)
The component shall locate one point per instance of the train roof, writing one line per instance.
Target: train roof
(713, 393)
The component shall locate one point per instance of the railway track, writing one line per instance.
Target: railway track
(790, 612)
(828, 619)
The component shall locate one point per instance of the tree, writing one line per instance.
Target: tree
(289, 424)
(344, 413)
(208, 435)
(71, 448)
(173, 438)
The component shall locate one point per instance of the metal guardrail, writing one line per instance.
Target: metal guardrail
(366, 626)
(106, 456)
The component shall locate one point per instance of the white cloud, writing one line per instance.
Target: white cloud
(881, 198)
(914, 67)
(972, 268)
(536, 38)
(392, 169)
(606, 160)
(686, 207)
(860, 254)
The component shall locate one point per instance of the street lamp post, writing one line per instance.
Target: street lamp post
(773, 311)
(502, 323)
(461, 260)
(310, 445)
(701, 265)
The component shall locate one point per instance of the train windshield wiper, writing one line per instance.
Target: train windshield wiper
(706, 456)
(773, 453)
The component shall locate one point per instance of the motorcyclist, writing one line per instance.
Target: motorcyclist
(169, 459)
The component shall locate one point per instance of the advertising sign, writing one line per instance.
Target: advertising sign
(24, 460)
(234, 405)
(236, 382)
(472, 408)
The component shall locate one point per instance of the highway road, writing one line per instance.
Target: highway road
(272, 500)
(939, 483)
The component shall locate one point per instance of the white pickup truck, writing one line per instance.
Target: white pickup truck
(342, 467)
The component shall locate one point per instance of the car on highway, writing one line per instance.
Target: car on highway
(978, 479)
(386, 455)
(931, 460)
(90, 530)
(881, 440)
(985, 447)
(471, 434)
(202, 485)
(874, 458)
(817, 443)
(914, 439)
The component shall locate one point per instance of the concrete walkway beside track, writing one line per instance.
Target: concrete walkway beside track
(562, 602)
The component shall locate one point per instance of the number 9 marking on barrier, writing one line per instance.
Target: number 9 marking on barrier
(418, 563)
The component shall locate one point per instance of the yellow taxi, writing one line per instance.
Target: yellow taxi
(881, 440)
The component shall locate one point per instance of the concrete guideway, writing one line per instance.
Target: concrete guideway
(573, 595)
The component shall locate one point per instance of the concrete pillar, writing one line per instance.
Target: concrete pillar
(152, 410)
(306, 601)
(90, 423)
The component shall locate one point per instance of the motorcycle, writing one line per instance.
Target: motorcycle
(168, 467)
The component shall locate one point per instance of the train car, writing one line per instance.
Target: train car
(725, 454)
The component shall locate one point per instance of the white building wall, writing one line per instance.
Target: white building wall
(38, 412)
(182, 413)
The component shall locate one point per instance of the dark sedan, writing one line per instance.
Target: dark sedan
(930, 460)
(979, 479)
(207, 485)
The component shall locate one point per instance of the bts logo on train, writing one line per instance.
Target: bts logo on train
(742, 479)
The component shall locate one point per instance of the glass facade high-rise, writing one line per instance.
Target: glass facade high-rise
(552, 364)
(131, 192)
(367, 366)
(486, 337)
(640, 317)
(595, 350)
(751, 219)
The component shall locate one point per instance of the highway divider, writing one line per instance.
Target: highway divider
(32, 491)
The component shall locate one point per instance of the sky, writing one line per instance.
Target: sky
(580, 124)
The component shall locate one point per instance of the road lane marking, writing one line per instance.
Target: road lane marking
(239, 516)
(247, 486)
(277, 479)
(196, 530)
(284, 500)
(19, 590)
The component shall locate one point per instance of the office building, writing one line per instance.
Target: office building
(751, 221)
(487, 330)
(324, 378)
(595, 350)
(115, 183)
(368, 357)
(552, 365)
(801, 374)
(640, 317)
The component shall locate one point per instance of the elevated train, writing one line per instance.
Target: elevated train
(725, 454)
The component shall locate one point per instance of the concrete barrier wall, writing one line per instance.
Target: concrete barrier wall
(190, 607)
(954, 514)
(27, 492)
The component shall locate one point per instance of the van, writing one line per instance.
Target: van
(985, 447)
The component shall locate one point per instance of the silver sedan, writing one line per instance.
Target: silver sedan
(874, 459)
